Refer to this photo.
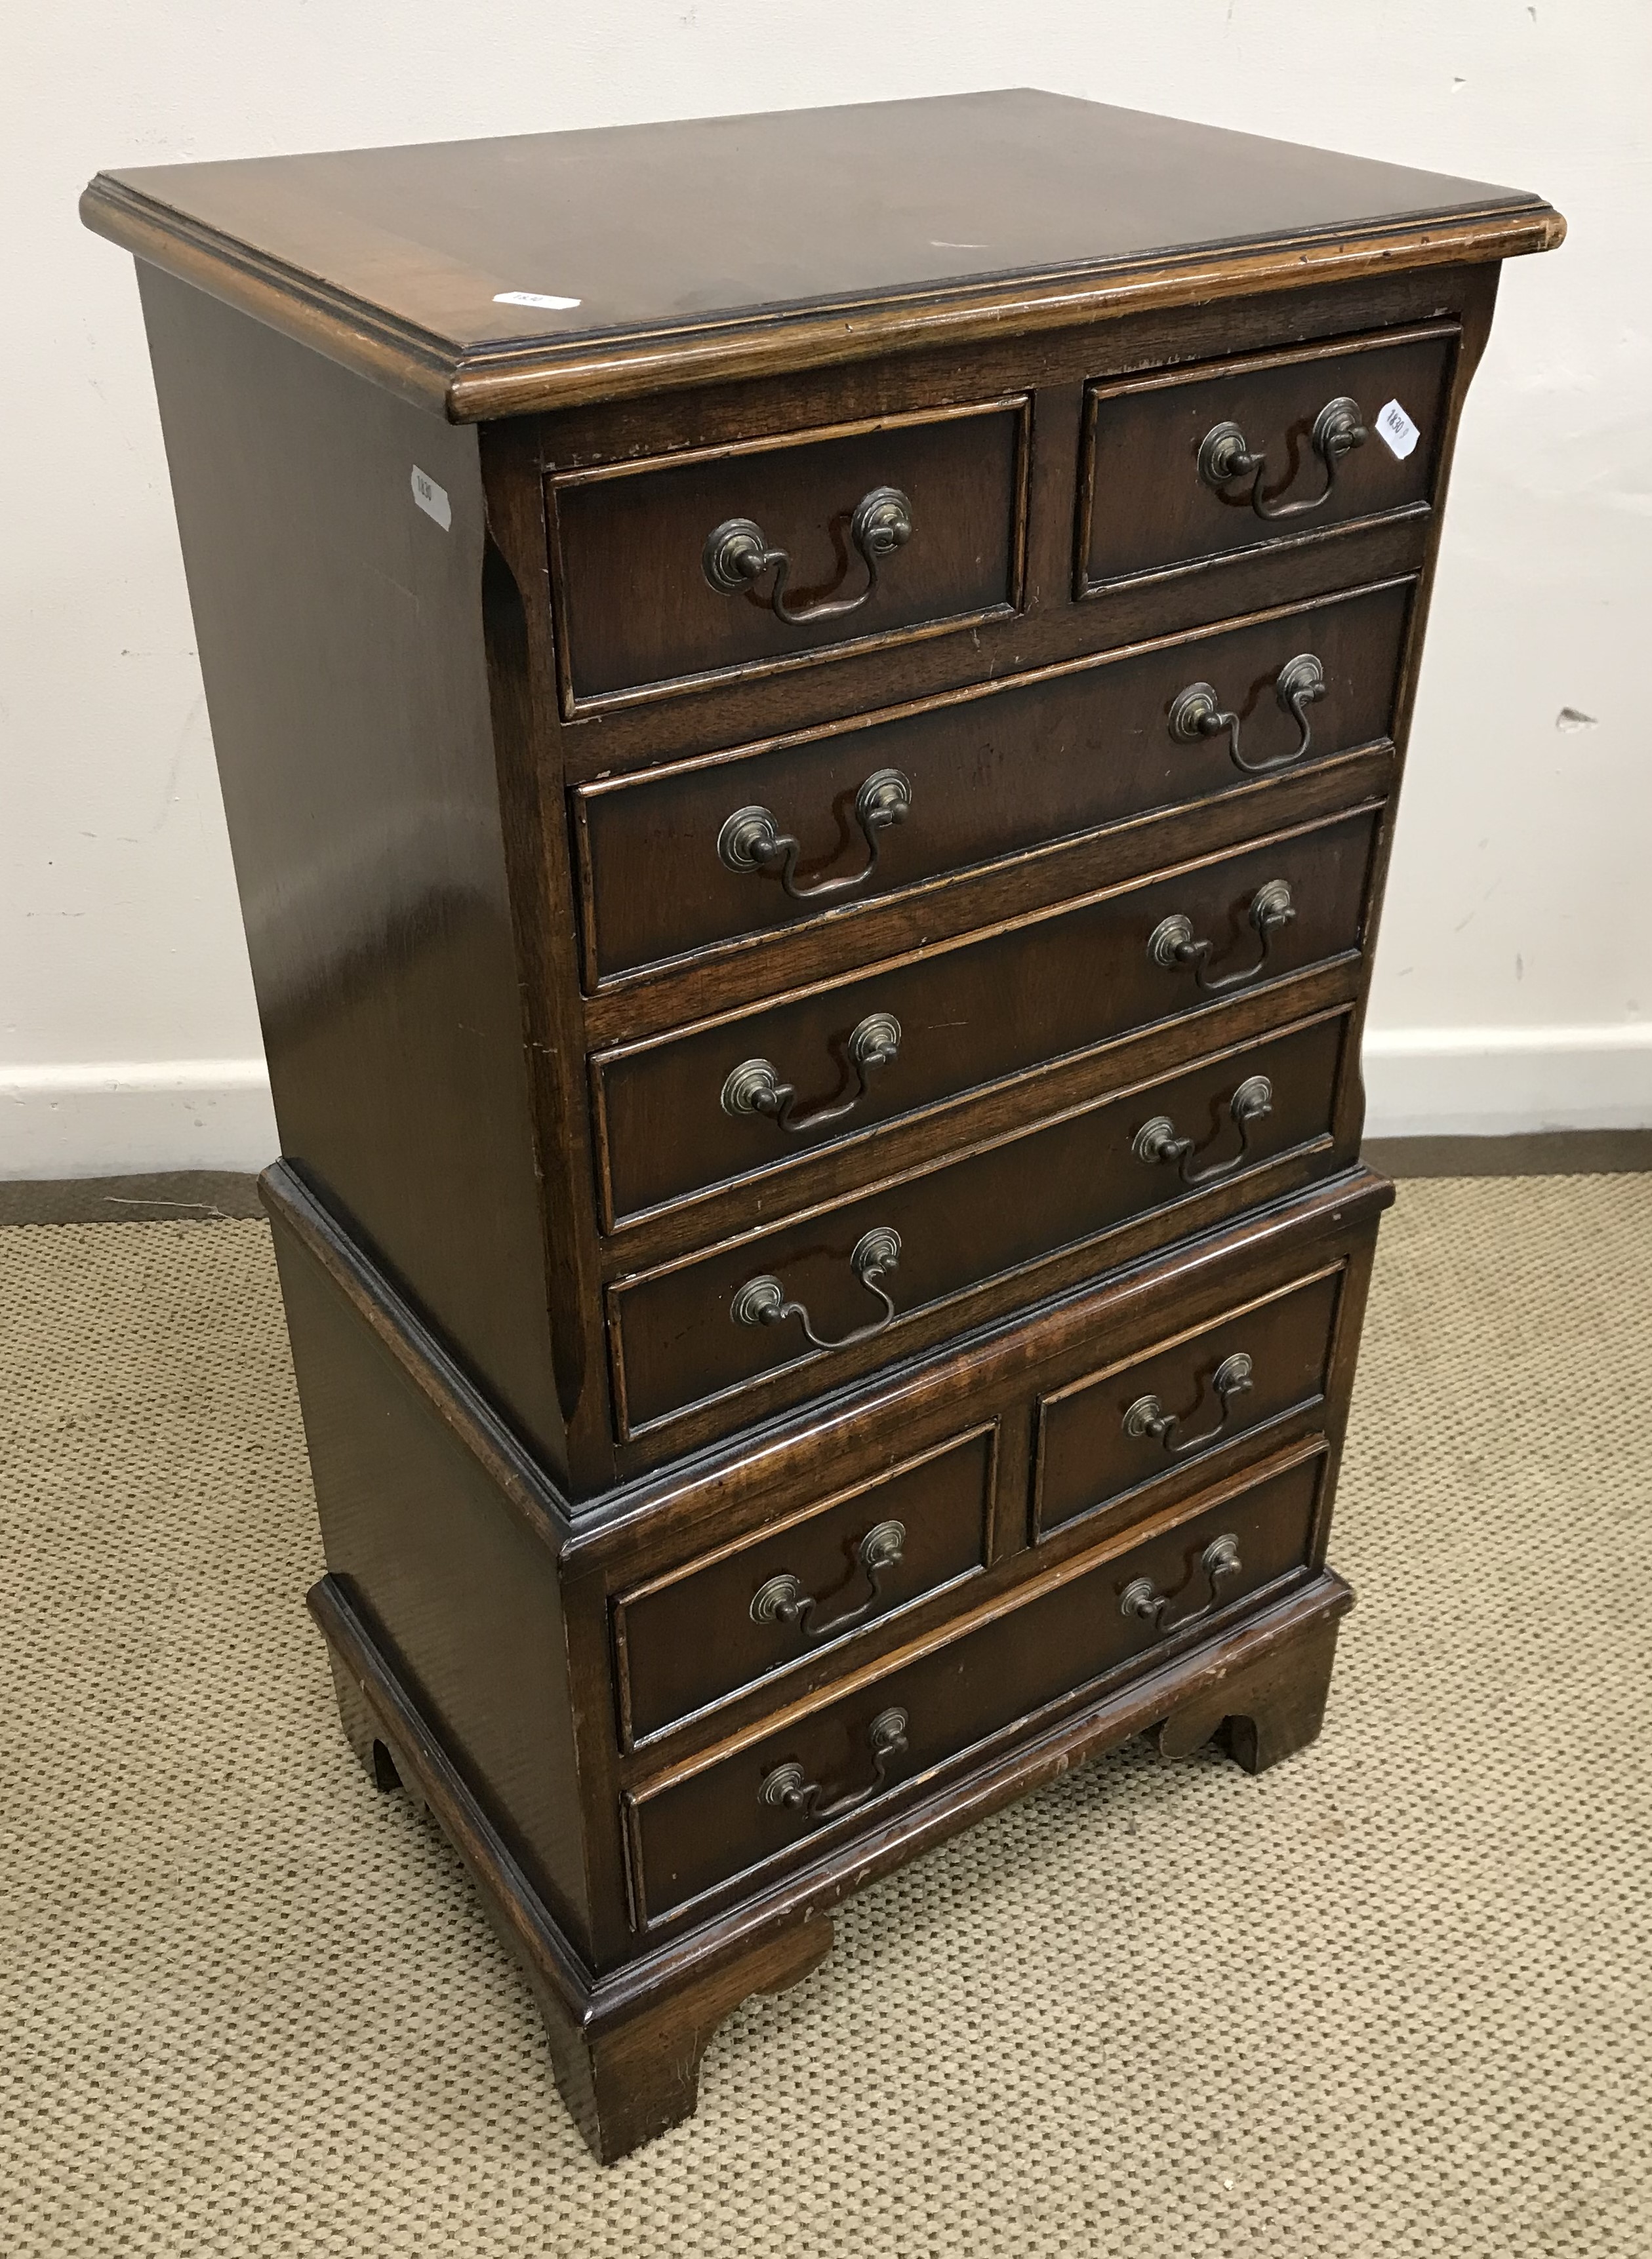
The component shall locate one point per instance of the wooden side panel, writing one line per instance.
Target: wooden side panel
(459, 1590)
(340, 631)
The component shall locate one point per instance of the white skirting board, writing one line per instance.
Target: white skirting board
(121, 1117)
(1506, 1082)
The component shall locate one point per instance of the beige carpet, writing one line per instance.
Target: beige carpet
(1392, 1999)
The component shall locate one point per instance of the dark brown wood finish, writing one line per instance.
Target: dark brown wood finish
(636, 612)
(697, 1502)
(708, 1504)
(953, 908)
(1090, 1452)
(1145, 505)
(993, 1213)
(450, 1557)
(393, 259)
(1036, 990)
(603, 1559)
(520, 663)
(994, 773)
(626, 2046)
(347, 687)
(695, 1830)
(1049, 626)
(689, 1639)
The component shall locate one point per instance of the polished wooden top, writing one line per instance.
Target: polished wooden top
(722, 246)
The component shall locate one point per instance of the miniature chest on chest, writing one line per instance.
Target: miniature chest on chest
(809, 709)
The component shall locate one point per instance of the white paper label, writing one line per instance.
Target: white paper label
(433, 499)
(534, 298)
(1400, 434)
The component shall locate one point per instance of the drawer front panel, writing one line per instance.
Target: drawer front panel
(676, 1118)
(803, 1587)
(700, 1832)
(986, 776)
(1146, 504)
(1106, 1436)
(677, 1342)
(641, 608)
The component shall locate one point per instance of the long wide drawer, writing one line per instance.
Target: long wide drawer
(833, 1768)
(706, 853)
(801, 1587)
(757, 1089)
(763, 555)
(717, 1323)
(1195, 465)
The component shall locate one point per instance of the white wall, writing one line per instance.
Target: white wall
(1513, 990)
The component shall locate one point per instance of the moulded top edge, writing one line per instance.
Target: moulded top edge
(498, 277)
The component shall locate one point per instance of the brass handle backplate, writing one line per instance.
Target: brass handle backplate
(1147, 1416)
(781, 1599)
(754, 1086)
(1198, 712)
(1220, 1560)
(764, 1301)
(787, 1789)
(751, 840)
(1224, 458)
(1171, 942)
(1157, 1140)
(737, 553)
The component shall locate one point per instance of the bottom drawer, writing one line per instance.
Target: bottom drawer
(824, 1772)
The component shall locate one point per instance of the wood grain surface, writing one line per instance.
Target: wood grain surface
(918, 213)
(605, 1560)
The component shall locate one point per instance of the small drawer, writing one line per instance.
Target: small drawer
(684, 567)
(1108, 1436)
(757, 1090)
(901, 799)
(834, 1768)
(1199, 464)
(804, 1587)
(823, 1294)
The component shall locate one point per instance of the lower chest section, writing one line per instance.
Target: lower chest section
(934, 1573)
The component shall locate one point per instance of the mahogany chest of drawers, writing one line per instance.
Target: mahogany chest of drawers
(810, 710)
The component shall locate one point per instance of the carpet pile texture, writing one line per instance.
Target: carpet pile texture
(1393, 1998)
